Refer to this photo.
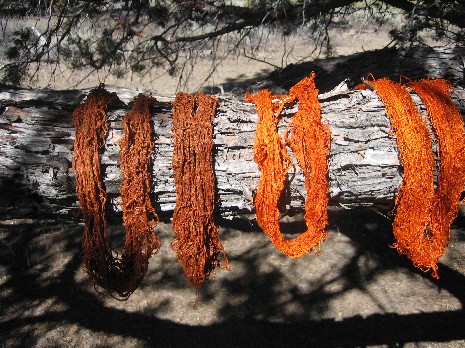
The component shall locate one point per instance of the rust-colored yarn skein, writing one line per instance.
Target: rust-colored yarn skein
(449, 129)
(139, 215)
(197, 244)
(309, 139)
(118, 275)
(416, 195)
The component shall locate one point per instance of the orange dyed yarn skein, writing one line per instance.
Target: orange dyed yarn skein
(449, 129)
(121, 275)
(309, 139)
(197, 244)
(416, 195)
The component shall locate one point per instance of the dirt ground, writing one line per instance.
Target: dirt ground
(358, 292)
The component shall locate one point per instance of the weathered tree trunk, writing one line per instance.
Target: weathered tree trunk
(37, 135)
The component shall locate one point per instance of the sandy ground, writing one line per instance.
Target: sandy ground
(357, 292)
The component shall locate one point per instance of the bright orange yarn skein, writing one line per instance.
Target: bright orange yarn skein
(449, 129)
(415, 197)
(309, 139)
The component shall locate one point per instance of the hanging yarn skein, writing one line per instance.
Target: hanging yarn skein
(449, 130)
(309, 139)
(197, 244)
(415, 197)
(121, 275)
(139, 216)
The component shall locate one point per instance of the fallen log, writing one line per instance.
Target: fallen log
(37, 135)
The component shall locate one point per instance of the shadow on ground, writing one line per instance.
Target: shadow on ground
(41, 291)
(419, 62)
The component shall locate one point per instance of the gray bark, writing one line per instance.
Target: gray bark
(36, 149)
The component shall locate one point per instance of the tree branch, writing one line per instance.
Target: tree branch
(225, 30)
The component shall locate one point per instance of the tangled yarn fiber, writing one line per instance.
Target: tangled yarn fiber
(139, 216)
(448, 127)
(121, 275)
(309, 139)
(197, 244)
(423, 213)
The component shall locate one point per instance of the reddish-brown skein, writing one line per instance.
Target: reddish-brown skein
(197, 244)
(120, 275)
